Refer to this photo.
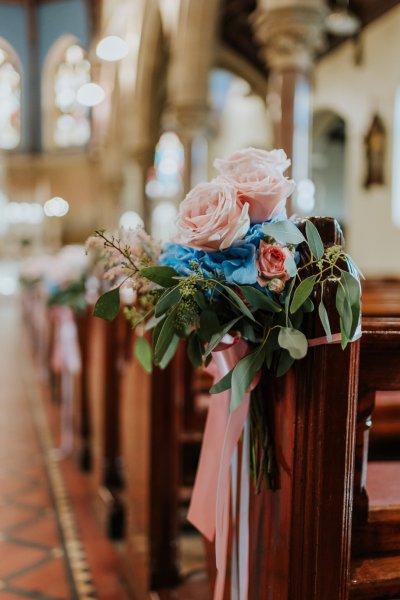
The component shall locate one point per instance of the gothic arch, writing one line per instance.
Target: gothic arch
(12, 60)
(51, 64)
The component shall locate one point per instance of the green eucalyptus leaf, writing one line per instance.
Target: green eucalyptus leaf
(259, 300)
(302, 292)
(209, 325)
(235, 299)
(217, 337)
(343, 307)
(223, 384)
(308, 306)
(284, 231)
(314, 240)
(290, 266)
(195, 350)
(244, 373)
(352, 286)
(143, 354)
(170, 352)
(107, 306)
(200, 300)
(168, 299)
(294, 341)
(323, 315)
(153, 322)
(165, 335)
(164, 276)
(285, 361)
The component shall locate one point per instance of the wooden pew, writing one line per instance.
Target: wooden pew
(381, 298)
(376, 536)
(160, 421)
(301, 533)
(105, 365)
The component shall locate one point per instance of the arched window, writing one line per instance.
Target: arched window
(10, 98)
(66, 122)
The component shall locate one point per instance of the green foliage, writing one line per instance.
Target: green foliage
(164, 276)
(107, 306)
(244, 373)
(302, 292)
(223, 384)
(323, 315)
(314, 240)
(144, 354)
(164, 337)
(259, 300)
(294, 341)
(170, 297)
(285, 232)
(195, 350)
(237, 301)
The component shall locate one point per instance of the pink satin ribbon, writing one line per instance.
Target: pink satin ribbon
(210, 502)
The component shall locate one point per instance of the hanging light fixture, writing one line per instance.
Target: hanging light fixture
(90, 94)
(341, 21)
(112, 48)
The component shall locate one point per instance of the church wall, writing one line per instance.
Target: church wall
(356, 93)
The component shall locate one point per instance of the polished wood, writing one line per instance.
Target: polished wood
(83, 425)
(303, 550)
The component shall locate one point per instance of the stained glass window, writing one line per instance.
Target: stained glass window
(72, 120)
(10, 102)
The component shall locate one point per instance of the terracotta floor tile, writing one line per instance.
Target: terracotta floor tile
(37, 497)
(11, 516)
(43, 531)
(14, 557)
(48, 579)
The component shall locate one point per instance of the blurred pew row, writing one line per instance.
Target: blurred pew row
(331, 530)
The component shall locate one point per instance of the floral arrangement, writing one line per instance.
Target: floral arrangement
(233, 270)
(61, 277)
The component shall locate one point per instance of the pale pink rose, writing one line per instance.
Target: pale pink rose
(270, 263)
(211, 217)
(258, 178)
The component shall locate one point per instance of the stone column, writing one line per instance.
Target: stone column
(291, 32)
(137, 165)
(192, 53)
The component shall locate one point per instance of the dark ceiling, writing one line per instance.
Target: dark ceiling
(236, 31)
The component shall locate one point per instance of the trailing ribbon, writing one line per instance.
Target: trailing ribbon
(210, 502)
(66, 360)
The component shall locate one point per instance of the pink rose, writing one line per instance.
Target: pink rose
(271, 263)
(258, 178)
(211, 217)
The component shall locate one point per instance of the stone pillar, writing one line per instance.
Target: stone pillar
(137, 165)
(192, 54)
(291, 32)
(191, 130)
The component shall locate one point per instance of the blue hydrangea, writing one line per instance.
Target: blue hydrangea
(235, 264)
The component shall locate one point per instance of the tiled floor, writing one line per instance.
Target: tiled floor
(47, 550)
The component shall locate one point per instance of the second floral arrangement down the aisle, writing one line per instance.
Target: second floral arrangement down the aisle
(232, 278)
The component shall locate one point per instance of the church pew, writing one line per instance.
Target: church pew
(301, 533)
(376, 518)
(381, 298)
(160, 420)
(104, 365)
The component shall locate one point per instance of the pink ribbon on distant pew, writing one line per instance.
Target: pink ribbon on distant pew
(209, 506)
(66, 360)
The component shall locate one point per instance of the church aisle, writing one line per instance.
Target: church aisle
(50, 546)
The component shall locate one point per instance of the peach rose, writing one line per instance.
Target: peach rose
(270, 263)
(258, 178)
(211, 217)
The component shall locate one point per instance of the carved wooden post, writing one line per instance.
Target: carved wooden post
(113, 480)
(304, 550)
(84, 434)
